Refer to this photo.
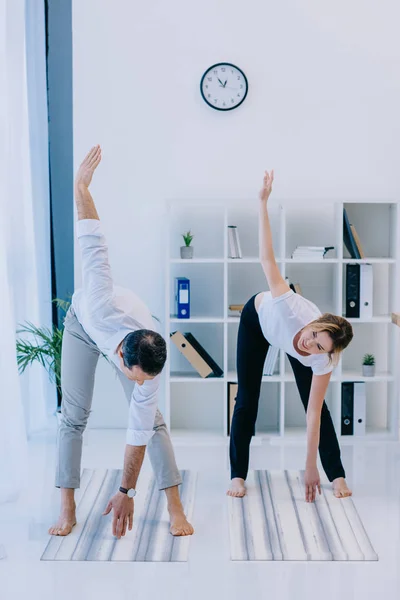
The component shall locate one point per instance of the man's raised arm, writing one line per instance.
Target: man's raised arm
(83, 198)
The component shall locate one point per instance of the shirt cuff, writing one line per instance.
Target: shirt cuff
(135, 437)
(88, 227)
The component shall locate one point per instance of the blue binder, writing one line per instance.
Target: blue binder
(182, 297)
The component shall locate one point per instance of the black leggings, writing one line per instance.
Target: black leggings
(252, 349)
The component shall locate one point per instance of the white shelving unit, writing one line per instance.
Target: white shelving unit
(196, 408)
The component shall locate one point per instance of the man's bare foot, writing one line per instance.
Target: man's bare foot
(179, 525)
(65, 523)
(237, 489)
(340, 489)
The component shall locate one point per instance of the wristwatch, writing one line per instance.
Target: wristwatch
(131, 493)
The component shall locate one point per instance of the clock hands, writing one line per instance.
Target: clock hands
(222, 84)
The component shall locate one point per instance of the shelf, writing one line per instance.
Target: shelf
(372, 261)
(197, 260)
(310, 260)
(221, 281)
(248, 260)
(381, 319)
(193, 378)
(198, 320)
(358, 376)
(286, 378)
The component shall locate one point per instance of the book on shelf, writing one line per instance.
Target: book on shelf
(235, 250)
(348, 237)
(232, 393)
(357, 241)
(236, 307)
(311, 252)
(294, 286)
(396, 318)
(271, 360)
(198, 357)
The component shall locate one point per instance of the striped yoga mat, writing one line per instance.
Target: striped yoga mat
(274, 522)
(92, 540)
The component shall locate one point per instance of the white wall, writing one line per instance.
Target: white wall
(322, 109)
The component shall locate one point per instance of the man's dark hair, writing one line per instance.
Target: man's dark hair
(145, 349)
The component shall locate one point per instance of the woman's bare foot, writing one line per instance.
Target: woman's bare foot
(340, 489)
(65, 523)
(179, 525)
(237, 489)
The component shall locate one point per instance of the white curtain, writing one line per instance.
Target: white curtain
(26, 402)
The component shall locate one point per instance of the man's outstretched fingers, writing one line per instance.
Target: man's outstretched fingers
(89, 155)
(130, 521)
(115, 524)
(94, 155)
(124, 526)
(108, 508)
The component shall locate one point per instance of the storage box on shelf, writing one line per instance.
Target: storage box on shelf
(199, 407)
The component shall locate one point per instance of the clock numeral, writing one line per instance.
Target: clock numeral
(238, 95)
(209, 96)
(223, 69)
(241, 86)
(215, 100)
(206, 87)
(209, 78)
(238, 76)
(224, 104)
(215, 71)
(232, 100)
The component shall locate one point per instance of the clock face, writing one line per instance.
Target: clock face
(224, 86)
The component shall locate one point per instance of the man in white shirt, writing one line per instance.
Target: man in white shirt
(105, 319)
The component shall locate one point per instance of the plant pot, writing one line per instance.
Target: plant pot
(186, 252)
(368, 370)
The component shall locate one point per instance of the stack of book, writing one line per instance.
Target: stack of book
(311, 252)
(235, 250)
(270, 361)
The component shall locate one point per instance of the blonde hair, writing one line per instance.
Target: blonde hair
(340, 331)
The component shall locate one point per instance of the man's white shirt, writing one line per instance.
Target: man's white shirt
(108, 314)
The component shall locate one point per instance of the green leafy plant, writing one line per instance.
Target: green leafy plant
(368, 359)
(187, 237)
(43, 345)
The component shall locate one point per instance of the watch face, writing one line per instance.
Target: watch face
(131, 493)
(224, 86)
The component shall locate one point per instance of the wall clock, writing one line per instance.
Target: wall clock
(224, 86)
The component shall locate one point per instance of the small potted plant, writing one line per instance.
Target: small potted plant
(368, 365)
(187, 249)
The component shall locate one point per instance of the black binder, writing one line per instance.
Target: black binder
(353, 273)
(348, 237)
(347, 417)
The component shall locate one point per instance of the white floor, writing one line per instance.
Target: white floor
(373, 471)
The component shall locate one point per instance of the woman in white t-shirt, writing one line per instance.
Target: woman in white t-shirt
(313, 343)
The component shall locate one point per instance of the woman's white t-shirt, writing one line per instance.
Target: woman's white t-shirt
(282, 317)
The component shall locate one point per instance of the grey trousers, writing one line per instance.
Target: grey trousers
(78, 366)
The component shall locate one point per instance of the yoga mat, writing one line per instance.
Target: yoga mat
(274, 522)
(150, 541)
